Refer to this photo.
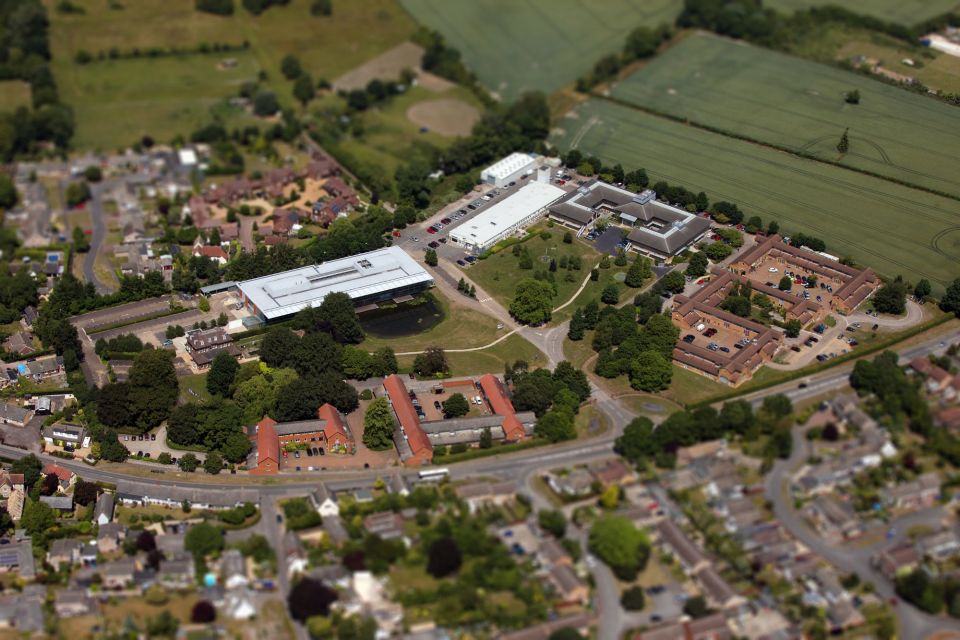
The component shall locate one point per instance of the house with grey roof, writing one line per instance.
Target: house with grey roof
(14, 414)
(103, 512)
(64, 551)
(688, 553)
(177, 573)
(59, 503)
(69, 603)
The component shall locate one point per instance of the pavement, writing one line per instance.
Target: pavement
(98, 235)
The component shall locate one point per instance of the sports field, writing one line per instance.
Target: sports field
(168, 90)
(521, 45)
(907, 12)
(794, 103)
(894, 229)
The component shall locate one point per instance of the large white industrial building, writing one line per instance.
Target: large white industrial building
(368, 278)
(509, 169)
(506, 217)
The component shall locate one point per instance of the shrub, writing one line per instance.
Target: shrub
(633, 599)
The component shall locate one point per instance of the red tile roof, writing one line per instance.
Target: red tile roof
(216, 253)
(497, 396)
(334, 425)
(268, 445)
(63, 474)
(407, 415)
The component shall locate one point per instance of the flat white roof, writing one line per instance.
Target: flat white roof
(188, 157)
(488, 225)
(358, 276)
(509, 165)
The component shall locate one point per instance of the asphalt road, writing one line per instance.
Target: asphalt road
(98, 235)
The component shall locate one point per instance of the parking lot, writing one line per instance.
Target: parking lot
(609, 241)
(431, 401)
(726, 340)
(771, 271)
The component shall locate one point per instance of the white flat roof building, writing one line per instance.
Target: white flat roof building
(505, 217)
(369, 277)
(510, 168)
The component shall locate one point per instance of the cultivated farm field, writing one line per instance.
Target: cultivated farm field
(894, 229)
(522, 45)
(906, 12)
(799, 105)
(184, 87)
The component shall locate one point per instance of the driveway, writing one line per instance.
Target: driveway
(913, 316)
(607, 241)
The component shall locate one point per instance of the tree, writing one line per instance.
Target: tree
(620, 545)
(203, 539)
(188, 462)
(265, 103)
(85, 493)
(216, 7)
(93, 173)
(555, 426)
(37, 517)
(651, 371)
(486, 438)
(278, 347)
(431, 362)
(891, 298)
(697, 266)
(456, 406)
(673, 282)
(565, 633)
(638, 272)
(443, 558)
(921, 290)
(430, 258)
(290, 67)
(852, 97)
(30, 466)
(552, 521)
(792, 328)
(321, 7)
(378, 425)
(8, 192)
(632, 599)
(222, 373)
(213, 463)
(950, 301)
(164, 625)
(532, 302)
(303, 88)
(80, 242)
(786, 283)
(309, 598)
(203, 613)
(718, 251)
(152, 388)
(49, 485)
(696, 607)
(77, 193)
(146, 541)
(844, 145)
(610, 294)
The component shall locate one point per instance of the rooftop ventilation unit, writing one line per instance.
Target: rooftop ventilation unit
(645, 196)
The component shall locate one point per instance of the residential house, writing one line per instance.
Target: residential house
(30, 316)
(20, 343)
(203, 340)
(18, 556)
(709, 449)
(286, 222)
(690, 555)
(917, 494)
(940, 546)
(22, 614)
(103, 512)
(15, 415)
(63, 434)
(482, 495)
(214, 253)
(552, 553)
(897, 560)
(12, 493)
(177, 573)
(171, 543)
(88, 553)
(568, 586)
(233, 570)
(612, 471)
(58, 502)
(835, 521)
(718, 591)
(579, 622)
(385, 524)
(265, 458)
(64, 551)
(229, 231)
(70, 603)
(711, 627)
(64, 475)
(324, 503)
(44, 367)
(110, 536)
(118, 575)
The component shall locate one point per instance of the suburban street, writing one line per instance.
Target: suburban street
(97, 236)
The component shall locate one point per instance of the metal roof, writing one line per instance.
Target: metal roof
(508, 166)
(359, 276)
(493, 222)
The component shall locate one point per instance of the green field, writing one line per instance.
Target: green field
(498, 274)
(14, 94)
(799, 105)
(894, 229)
(522, 45)
(907, 12)
(116, 101)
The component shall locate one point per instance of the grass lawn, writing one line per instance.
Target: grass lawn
(125, 514)
(798, 104)
(193, 388)
(461, 328)
(516, 46)
(579, 351)
(171, 95)
(613, 275)
(853, 213)
(591, 422)
(388, 134)
(906, 12)
(493, 359)
(638, 404)
(13, 94)
(498, 274)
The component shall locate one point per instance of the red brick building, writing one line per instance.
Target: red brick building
(268, 449)
(328, 432)
(415, 448)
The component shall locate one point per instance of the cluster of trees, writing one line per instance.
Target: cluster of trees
(642, 442)
(892, 297)
(124, 343)
(620, 545)
(25, 55)
(737, 301)
(256, 7)
(113, 53)
(930, 593)
(378, 425)
(360, 364)
(532, 302)
(643, 352)
(893, 393)
(146, 399)
(641, 43)
(554, 397)
(441, 59)
(215, 426)
(377, 91)
(216, 7)
(432, 362)
(17, 292)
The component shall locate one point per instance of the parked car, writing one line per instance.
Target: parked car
(689, 338)
(433, 244)
(445, 221)
(471, 259)
(461, 263)
(443, 240)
